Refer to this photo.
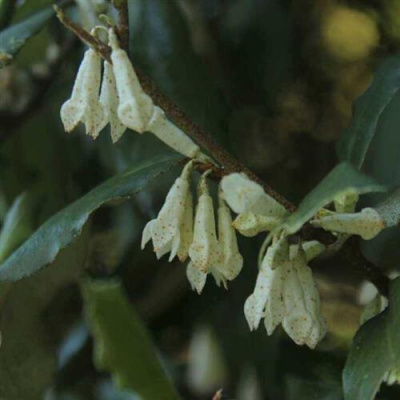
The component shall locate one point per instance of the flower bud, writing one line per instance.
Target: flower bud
(367, 223)
(136, 107)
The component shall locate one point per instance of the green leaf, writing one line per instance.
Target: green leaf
(14, 37)
(122, 346)
(375, 351)
(357, 138)
(161, 46)
(18, 225)
(64, 227)
(343, 178)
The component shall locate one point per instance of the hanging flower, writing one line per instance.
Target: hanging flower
(244, 195)
(231, 261)
(367, 223)
(303, 321)
(266, 300)
(136, 107)
(84, 105)
(203, 251)
(171, 231)
(109, 100)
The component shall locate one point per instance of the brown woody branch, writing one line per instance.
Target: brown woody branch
(123, 23)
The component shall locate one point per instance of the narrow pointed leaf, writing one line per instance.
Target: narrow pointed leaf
(122, 345)
(14, 37)
(64, 227)
(375, 351)
(357, 138)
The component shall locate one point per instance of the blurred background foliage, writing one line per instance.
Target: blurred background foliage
(275, 81)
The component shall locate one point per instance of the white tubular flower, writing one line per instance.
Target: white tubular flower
(203, 251)
(232, 262)
(250, 224)
(266, 300)
(168, 231)
(171, 135)
(196, 278)
(109, 100)
(367, 223)
(303, 321)
(243, 194)
(84, 105)
(136, 107)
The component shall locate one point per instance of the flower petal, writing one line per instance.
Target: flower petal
(186, 229)
(232, 261)
(196, 277)
(136, 107)
(203, 250)
(109, 100)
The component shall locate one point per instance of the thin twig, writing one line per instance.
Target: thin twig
(83, 34)
(123, 23)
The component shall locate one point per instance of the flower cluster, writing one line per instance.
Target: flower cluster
(285, 293)
(178, 232)
(119, 100)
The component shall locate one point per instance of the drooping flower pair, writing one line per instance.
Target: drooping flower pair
(286, 293)
(175, 231)
(209, 254)
(122, 102)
